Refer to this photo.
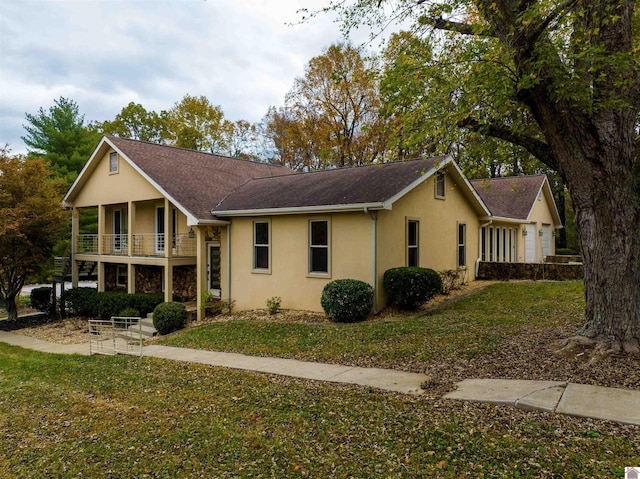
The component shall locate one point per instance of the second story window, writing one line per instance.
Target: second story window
(440, 186)
(113, 162)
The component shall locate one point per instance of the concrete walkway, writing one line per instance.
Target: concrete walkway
(619, 405)
(582, 400)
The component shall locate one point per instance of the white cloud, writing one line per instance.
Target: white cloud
(104, 54)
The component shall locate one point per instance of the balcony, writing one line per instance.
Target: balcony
(144, 245)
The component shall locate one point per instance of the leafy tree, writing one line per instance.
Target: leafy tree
(31, 221)
(61, 136)
(561, 80)
(330, 117)
(135, 122)
(196, 124)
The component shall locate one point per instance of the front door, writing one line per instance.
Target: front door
(546, 241)
(530, 244)
(160, 229)
(213, 269)
(119, 230)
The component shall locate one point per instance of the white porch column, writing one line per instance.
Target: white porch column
(168, 240)
(131, 221)
(201, 272)
(131, 278)
(168, 282)
(74, 246)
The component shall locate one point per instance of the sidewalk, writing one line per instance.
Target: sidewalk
(618, 405)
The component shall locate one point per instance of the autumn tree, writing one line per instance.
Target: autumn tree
(137, 123)
(195, 123)
(330, 116)
(61, 136)
(561, 80)
(31, 221)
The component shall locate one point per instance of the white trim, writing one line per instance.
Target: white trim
(319, 274)
(301, 209)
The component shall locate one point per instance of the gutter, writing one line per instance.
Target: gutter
(229, 263)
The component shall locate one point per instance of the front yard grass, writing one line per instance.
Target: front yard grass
(463, 330)
(121, 417)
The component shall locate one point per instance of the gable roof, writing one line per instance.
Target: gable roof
(375, 186)
(514, 197)
(192, 180)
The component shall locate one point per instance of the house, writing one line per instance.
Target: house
(523, 220)
(185, 223)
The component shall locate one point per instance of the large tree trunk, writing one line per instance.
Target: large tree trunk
(12, 308)
(608, 221)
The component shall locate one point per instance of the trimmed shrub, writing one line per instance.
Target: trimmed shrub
(129, 313)
(89, 302)
(81, 301)
(411, 287)
(273, 305)
(347, 300)
(169, 317)
(41, 299)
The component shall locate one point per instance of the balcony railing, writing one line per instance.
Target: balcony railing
(143, 244)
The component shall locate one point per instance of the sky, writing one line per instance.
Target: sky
(241, 54)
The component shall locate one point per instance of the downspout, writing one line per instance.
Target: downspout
(374, 254)
(229, 263)
(480, 245)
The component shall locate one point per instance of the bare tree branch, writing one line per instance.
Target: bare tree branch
(463, 28)
(536, 147)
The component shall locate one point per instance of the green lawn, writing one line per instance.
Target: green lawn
(123, 417)
(464, 330)
(120, 417)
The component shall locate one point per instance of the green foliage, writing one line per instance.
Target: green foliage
(273, 305)
(81, 301)
(347, 300)
(135, 122)
(62, 137)
(91, 303)
(411, 287)
(31, 222)
(129, 313)
(41, 299)
(169, 317)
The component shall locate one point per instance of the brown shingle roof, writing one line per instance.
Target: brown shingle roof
(510, 197)
(197, 181)
(346, 186)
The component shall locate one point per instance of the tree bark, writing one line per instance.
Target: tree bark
(12, 308)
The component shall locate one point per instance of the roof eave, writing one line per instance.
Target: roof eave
(303, 209)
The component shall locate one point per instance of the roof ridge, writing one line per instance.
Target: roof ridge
(344, 168)
(188, 150)
(509, 177)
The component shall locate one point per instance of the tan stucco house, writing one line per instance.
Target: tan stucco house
(184, 222)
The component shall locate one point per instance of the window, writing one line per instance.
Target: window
(319, 247)
(113, 162)
(491, 243)
(413, 231)
(121, 275)
(261, 246)
(462, 248)
(440, 189)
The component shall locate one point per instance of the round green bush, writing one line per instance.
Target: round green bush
(169, 317)
(129, 313)
(411, 287)
(41, 299)
(347, 300)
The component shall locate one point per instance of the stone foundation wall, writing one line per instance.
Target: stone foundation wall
(148, 279)
(185, 284)
(530, 271)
